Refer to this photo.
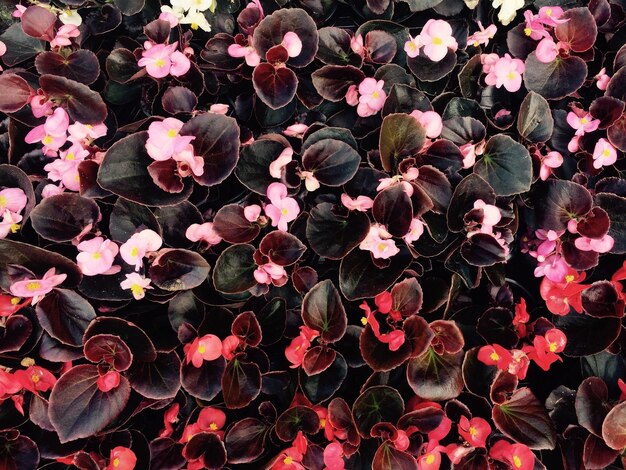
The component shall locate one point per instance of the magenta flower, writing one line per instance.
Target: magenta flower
(547, 50)
(276, 167)
(64, 35)
(37, 288)
(430, 121)
(282, 209)
(162, 60)
(553, 267)
(506, 72)
(582, 122)
(372, 97)
(12, 199)
(551, 161)
(65, 168)
(437, 38)
(292, 43)
(412, 46)
(360, 203)
(378, 242)
(97, 256)
(604, 154)
(52, 134)
(164, 139)
(248, 52)
(137, 285)
(204, 232)
(483, 36)
(137, 246)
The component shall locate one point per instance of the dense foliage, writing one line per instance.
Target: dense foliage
(312, 234)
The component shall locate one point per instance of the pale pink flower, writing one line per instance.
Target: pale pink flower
(137, 285)
(599, 245)
(488, 61)
(3, 50)
(137, 246)
(412, 46)
(573, 145)
(469, 154)
(169, 17)
(483, 35)
(87, 133)
(582, 124)
(548, 163)
(97, 256)
(65, 168)
(491, 214)
(430, 121)
(604, 154)
(252, 212)
(188, 162)
(64, 35)
(311, 183)
(270, 272)
(37, 288)
(52, 134)
(276, 167)
(162, 60)
(403, 179)
(292, 43)
(248, 52)
(164, 139)
(19, 11)
(282, 209)
(10, 223)
(40, 104)
(506, 72)
(415, 231)
(437, 38)
(356, 44)
(547, 50)
(378, 241)
(551, 16)
(12, 199)
(204, 232)
(602, 79)
(219, 108)
(360, 203)
(372, 97)
(51, 190)
(534, 26)
(296, 130)
(352, 95)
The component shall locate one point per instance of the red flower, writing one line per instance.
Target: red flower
(546, 347)
(395, 338)
(297, 349)
(229, 345)
(35, 379)
(171, 417)
(401, 441)
(431, 459)
(207, 348)
(10, 304)
(108, 381)
(212, 420)
(622, 389)
(518, 456)
(495, 355)
(521, 317)
(122, 458)
(519, 364)
(289, 459)
(560, 296)
(474, 431)
(8, 384)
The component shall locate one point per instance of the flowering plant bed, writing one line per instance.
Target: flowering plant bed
(311, 234)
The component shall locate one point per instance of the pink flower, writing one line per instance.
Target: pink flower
(551, 161)
(37, 288)
(219, 108)
(169, 17)
(437, 38)
(356, 44)
(553, 267)
(229, 345)
(252, 212)
(483, 35)
(582, 124)
(211, 419)
(248, 52)
(40, 105)
(137, 285)
(87, 133)
(10, 223)
(372, 97)
(508, 72)
(137, 246)
(276, 167)
(188, 163)
(121, 458)
(604, 154)
(547, 50)
(333, 456)
(51, 190)
(270, 273)
(164, 140)
(296, 130)
(311, 183)
(599, 245)
(64, 35)
(430, 121)
(378, 241)
(207, 348)
(296, 350)
(488, 61)
(108, 381)
(474, 431)
(518, 456)
(491, 214)
(65, 168)
(204, 232)
(469, 154)
(550, 16)
(19, 11)
(162, 60)
(534, 26)
(282, 209)
(3, 50)
(12, 199)
(360, 203)
(292, 43)
(415, 231)
(97, 256)
(602, 79)
(52, 134)
(412, 46)
(352, 95)
(573, 145)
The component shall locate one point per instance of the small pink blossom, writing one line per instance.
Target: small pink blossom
(97, 256)
(137, 285)
(416, 230)
(19, 11)
(206, 348)
(573, 145)
(378, 241)
(276, 167)
(547, 50)
(40, 104)
(491, 214)
(296, 130)
(437, 38)
(292, 43)
(602, 79)
(604, 154)
(412, 46)
(311, 183)
(534, 26)
(138, 245)
(12, 199)
(469, 154)
(164, 139)
(582, 122)
(3, 50)
(333, 456)
(488, 61)
(229, 345)
(169, 17)
(599, 245)
(352, 95)
(218, 108)
(360, 203)
(483, 36)
(356, 44)
(430, 121)
(282, 209)
(64, 35)
(86, 133)
(162, 60)
(551, 161)
(204, 232)
(553, 267)
(270, 273)
(248, 52)
(65, 168)
(188, 162)
(252, 212)
(551, 16)
(52, 134)
(372, 97)
(37, 288)
(108, 381)
(51, 190)
(506, 72)
(10, 223)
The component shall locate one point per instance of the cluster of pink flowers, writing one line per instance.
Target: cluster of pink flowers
(161, 60)
(369, 97)
(604, 153)
(486, 217)
(436, 39)
(12, 203)
(503, 71)
(165, 143)
(37, 288)
(483, 35)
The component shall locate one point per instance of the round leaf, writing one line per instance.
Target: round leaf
(506, 165)
(323, 311)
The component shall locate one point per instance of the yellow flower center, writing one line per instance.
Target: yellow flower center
(430, 458)
(33, 285)
(528, 31)
(96, 256)
(584, 121)
(172, 133)
(213, 427)
(437, 41)
(476, 43)
(201, 349)
(552, 347)
(47, 140)
(549, 12)
(77, 177)
(569, 278)
(136, 289)
(134, 252)
(35, 378)
(116, 462)
(382, 247)
(363, 321)
(284, 211)
(3, 202)
(15, 300)
(511, 75)
(473, 431)
(375, 95)
(606, 153)
(412, 46)
(288, 460)
(194, 26)
(159, 63)
(15, 228)
(494, 356)
(323, 423)
(70, 156)
(517, 461)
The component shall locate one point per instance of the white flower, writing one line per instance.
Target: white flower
(71, 17)
(197, 20)
(195, 5)
(176, 11)
(508, 9)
